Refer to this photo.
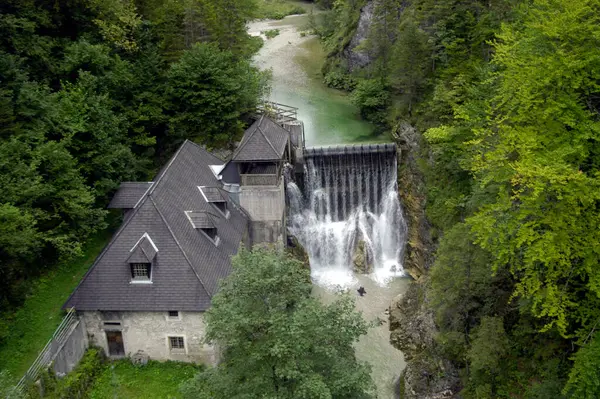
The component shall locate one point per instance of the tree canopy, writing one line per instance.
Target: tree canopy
(505, 95)
(276, 340)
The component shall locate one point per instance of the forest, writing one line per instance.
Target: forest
(506, 97)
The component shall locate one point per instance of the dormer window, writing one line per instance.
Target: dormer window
(217, 197)
(140, 271)
(141, 258)
(206, 223)
(222, 207)
(211, 232)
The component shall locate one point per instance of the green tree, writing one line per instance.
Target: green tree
(489, 347)
(584, 378)
(277, 341)
(209, 92)
(372, 98)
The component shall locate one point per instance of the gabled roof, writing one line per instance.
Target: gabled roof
(265, 140)
(128, 194)
(144, 251)
(187, 265)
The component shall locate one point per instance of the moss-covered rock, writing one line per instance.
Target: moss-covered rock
(362, 259)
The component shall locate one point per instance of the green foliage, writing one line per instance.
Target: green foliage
(77, 383)
(507, 95)
(489, 344)
(372, 98)
(7, 387)
(339, 80)
(209, 92)
(519, 154)
(278, 9)
(277, 340)
(271, 33)
(584, 378)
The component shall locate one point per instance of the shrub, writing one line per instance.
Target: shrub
(339, 80)
(372, 98)
(77, 382)
(277, 9)
(271, 33)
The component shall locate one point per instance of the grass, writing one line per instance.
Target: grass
(279, 9)
(33, 324)
(122, 379)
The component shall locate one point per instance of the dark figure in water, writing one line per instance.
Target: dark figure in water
(361, 291)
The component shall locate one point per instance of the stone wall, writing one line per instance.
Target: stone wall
(266, 207)
(149, 332)
(71, 350)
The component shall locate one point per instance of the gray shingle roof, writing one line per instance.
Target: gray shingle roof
(187, 265)
(128, 194)
(265, 140)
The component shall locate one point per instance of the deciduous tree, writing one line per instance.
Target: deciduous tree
(276, 340)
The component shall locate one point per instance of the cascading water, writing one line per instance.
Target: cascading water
(350, 195)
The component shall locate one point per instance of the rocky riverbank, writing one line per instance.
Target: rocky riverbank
(427, 375)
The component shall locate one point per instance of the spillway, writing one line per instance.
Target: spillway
(349, 196)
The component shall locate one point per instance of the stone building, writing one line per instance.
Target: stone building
(148, 289)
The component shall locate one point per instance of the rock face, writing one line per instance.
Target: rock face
(296, 250)
(419, 247)
(355, 56)
(427, 374)
(362, 260)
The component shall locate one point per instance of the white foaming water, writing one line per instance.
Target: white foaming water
(348, 198)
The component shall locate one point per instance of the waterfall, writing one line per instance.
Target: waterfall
(349, 196)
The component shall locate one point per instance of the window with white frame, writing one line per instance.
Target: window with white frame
(176, 343)
(173, 315)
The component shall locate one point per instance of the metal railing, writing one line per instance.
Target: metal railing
(54, 345)
(281, 113)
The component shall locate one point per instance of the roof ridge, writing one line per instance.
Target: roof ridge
(205, 150)
(268, 141)
(179, 246)
(165, 169)
(243, 144)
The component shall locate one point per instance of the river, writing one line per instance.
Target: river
(330, 117)
(295, 61)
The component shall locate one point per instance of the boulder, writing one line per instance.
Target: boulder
(362, 260)
(140, 357)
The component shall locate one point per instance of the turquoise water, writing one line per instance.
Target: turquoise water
(329, 116)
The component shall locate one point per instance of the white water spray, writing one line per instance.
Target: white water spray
(348, 197)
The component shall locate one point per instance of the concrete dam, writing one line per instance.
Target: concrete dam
(343, 208)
